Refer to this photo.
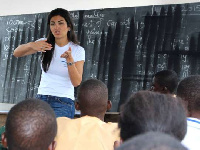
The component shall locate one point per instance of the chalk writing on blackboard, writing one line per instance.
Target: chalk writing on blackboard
(124, 47)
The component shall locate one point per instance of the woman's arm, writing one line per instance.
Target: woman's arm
(75, 70)
(31, 48)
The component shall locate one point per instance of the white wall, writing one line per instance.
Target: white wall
(16, 7)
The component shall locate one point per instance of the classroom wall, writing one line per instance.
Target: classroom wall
(16, 7)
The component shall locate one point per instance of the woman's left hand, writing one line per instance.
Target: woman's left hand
(68, 55)
(76, 70)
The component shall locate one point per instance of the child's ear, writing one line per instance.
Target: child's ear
(109, 105)
(77, 106)
(165, 88)
(52, 146)
(4, 140)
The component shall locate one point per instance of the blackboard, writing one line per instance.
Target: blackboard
(124, 48)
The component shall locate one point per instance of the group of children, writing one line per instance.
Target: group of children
(155, 119)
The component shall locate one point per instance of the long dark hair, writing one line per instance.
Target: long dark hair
(47, 56)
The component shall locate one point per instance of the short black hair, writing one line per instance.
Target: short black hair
(93, 97)
(168, 79)
(152, 141)
(31, 124)
(189, 90)
(151, 111)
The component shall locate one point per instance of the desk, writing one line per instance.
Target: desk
(109, 116)
(5, 108)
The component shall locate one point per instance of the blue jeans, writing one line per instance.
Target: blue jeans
(62, 106)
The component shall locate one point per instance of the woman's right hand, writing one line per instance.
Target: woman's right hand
(31, 48)
(40, 46)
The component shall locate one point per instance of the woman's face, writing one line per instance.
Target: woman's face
(59, 27)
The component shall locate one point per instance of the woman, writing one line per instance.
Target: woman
(62, 63)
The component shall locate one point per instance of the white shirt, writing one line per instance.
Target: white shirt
(192, 137)
(56, 80)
